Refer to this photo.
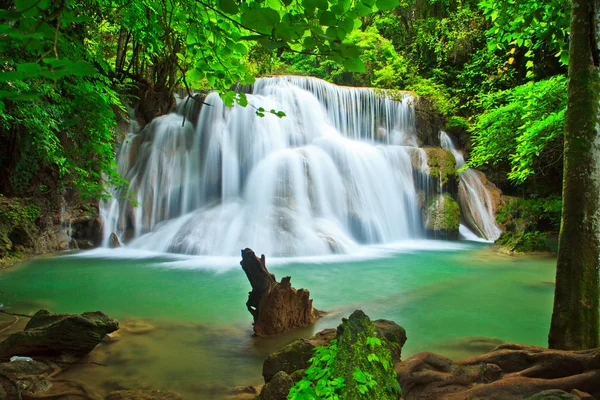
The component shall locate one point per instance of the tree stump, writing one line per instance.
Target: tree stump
(275, 306)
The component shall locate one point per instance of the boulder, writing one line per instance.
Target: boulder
(143, 395)
(278, 388)
(275, 306)
(49, 334)
(509, 372)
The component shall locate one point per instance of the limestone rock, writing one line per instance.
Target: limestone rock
(59, 334)
(275, 306)
(143, 395)
(278, 388)
(441, 217)
(509, 372)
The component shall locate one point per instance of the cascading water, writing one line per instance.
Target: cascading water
(335, 173)
(474, 198)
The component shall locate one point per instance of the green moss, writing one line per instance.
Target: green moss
(528, 223)
(442, 214)
(442, 164)
(524, 242)
(358, 365)
(16, 224)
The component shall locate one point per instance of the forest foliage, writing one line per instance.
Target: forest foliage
(70, 69)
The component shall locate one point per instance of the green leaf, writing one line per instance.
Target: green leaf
(354, 65)
(228, 6)
(29, 68)
(359, 376)
(262, 20)
(387, 4)
(328, 19)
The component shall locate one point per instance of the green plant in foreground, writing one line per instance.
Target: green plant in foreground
(319, 381)
(324, 380)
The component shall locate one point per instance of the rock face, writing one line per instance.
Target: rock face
(509, 372)
(275, 306)
(49, 334)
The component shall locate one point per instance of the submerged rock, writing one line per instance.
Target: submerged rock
(49, 334)
(278, 388)
(509, 372)
(143, 395)
(276, 306)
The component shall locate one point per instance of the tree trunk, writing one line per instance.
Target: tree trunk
(575, 317)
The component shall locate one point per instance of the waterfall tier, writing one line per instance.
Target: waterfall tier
(342, 169)
(475, 199)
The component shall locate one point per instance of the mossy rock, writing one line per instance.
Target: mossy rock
(441, 217)
(523, 242)
(49, 334)
(364, 361)
(442, 164)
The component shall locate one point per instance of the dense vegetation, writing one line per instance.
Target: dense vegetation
(70, 69)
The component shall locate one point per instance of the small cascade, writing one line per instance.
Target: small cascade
(65, 225)
(474, 198)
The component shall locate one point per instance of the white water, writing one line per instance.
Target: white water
(474, 197)
(333, 175)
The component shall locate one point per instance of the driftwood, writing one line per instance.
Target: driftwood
(508, 372)
(275, 306)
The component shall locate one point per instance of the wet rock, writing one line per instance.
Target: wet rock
(492, 194)
(295, 355)
(509, 372)
(113, 241)
(394, 336)
(278, 388)
(143, 395)
(276, 307)
(59, 334)
(441, 217)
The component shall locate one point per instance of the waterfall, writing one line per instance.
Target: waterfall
(337, 172)
(474, 198)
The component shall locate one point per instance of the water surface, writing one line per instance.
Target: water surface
(186, 327)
